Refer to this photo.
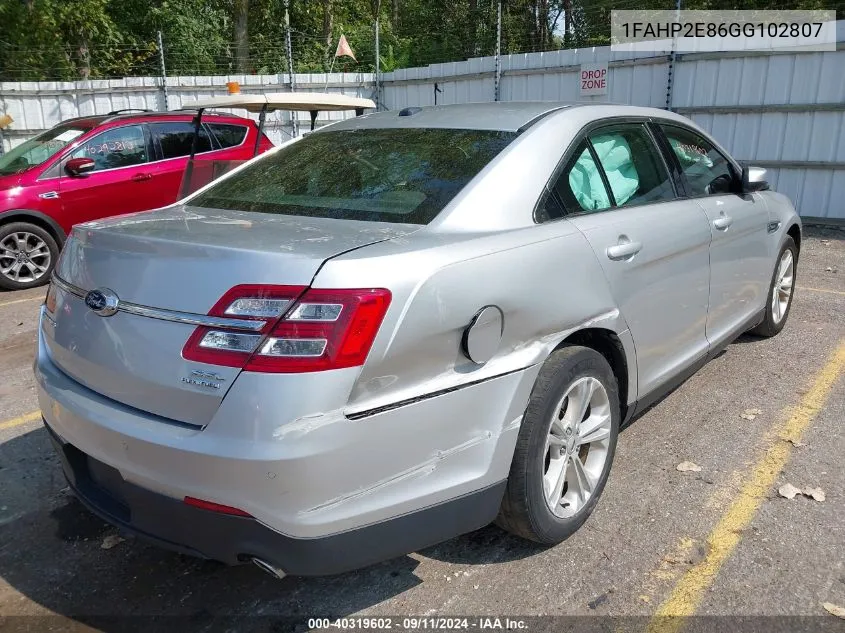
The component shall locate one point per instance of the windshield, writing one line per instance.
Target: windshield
(380, 175)
(40, 148)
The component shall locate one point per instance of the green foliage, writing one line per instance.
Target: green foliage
(77, 39)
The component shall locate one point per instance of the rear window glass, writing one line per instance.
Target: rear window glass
(380, 175)
(228, 135)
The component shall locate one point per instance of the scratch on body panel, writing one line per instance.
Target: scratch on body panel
(425, 468)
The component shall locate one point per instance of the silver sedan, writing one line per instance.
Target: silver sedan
(402, 327)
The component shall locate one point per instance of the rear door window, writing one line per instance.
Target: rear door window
(174, 138)
(634, 169)
(228, 135)
(581, 187)
(118, 147)
(614, 166)
(379, 175)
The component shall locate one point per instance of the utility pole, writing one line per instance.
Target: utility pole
(670, 81)
(498, 76)
(289, 47)
(378, 68)
(163, 72)
(376, 11)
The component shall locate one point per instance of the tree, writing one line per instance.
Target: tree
(73, 39)
(242, 35)
(328, 18)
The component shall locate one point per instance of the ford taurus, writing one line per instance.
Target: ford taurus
(402, 327)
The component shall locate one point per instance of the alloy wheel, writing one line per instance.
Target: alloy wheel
(577, 447)
(24, 257)
(782, 290)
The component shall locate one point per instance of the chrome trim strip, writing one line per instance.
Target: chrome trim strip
(357, 415)
(188, 318)
(191, 318)
(61, 283)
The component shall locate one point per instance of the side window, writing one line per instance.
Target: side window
(705, 170)
(580, 187)
(118, 147)
(175, 138)
(632, 164)
(228, 135)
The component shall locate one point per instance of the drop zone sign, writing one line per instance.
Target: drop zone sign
(593, 79)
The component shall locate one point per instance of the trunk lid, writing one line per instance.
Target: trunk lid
(178, 259)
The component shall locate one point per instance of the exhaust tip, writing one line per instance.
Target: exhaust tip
(270, 569)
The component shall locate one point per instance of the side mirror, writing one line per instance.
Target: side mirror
(753, 179)
(79, 166)
(720, 184)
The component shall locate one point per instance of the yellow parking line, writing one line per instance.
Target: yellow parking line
(688, 592)
(18, 421)
(832, 292)
(8, 303)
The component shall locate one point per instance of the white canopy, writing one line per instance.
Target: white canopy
(307, 101)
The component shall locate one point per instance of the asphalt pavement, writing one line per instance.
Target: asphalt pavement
(714, 540)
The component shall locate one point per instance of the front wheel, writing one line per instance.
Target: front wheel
(28, 254)
(564, 449)
(780, 291)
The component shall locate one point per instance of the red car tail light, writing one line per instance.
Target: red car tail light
(318, 330)
(248, 302)
(326, 329)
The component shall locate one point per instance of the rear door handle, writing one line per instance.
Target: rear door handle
(723, 222)
(141, 177)
(624, 251)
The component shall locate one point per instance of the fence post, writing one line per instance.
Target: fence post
(498, 75)
(163, 72)
(670, 80)
(378, 68)
(293, 115)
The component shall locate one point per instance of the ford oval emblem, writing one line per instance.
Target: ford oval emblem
(102, 301)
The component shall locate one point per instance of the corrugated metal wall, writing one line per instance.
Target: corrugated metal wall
(638, 79)
(783, 111)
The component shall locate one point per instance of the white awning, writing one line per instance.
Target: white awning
(307, 101)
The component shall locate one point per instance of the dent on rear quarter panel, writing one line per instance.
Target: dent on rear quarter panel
(547, 282)
(544, 278)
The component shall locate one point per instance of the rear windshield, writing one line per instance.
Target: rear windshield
(380, 175)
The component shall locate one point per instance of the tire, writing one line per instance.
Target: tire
(775, 313)
(564, 378)
(34, 270)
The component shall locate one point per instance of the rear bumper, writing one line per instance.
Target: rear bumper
(311, 479)
(171, 524)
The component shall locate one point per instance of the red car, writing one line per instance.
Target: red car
(98, 166)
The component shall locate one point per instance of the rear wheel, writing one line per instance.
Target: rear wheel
(27, 256)
(565, 447)
(781, 290)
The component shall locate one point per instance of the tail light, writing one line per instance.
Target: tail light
(302, 329)
(50, 299)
